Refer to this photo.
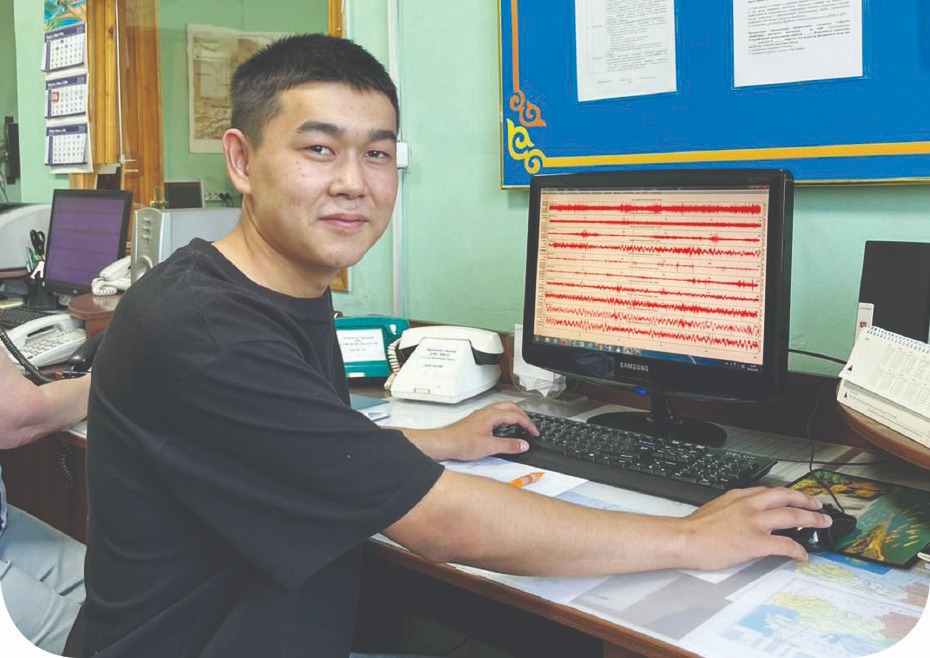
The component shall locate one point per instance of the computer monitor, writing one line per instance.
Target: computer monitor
(86, 232)
(673, 283)
(184, 194)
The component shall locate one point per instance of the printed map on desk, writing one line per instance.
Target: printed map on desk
(892, 521)
(833, 606)
(830, 607)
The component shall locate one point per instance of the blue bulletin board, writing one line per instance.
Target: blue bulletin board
(875, 127)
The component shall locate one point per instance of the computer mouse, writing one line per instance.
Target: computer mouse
(815, 540)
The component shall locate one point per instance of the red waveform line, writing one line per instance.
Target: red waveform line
(695, 339)
(646, 303)
(755, 226)
(640, 249)
(632, 318)
(697, 282)
(656, 208)
(660, 265)
(706, 238)
(736, 269)
(664, 279)
(655, 291)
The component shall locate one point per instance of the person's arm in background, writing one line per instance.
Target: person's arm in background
(31, 411)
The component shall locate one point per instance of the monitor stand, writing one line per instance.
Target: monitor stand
(38, 298)
(662, 421)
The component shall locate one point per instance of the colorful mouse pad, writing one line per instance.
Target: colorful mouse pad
(892, 521)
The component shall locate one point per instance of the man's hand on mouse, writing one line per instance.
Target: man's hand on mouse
(738, 526)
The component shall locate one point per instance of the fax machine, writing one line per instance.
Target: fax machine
(16, 221)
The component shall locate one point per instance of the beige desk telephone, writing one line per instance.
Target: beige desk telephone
(113, 278)
(446, 364)
(47, 340)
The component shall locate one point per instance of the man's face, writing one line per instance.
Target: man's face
(321, 185)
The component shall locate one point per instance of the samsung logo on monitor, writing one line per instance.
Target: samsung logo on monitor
(639, 367)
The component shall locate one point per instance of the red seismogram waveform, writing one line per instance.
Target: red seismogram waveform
(755, 226)
(680, 307)
(701, 282)
(745, 344)
(654, 291)
(658, 249)
(705, 238)
(708, 326)
(656, 208)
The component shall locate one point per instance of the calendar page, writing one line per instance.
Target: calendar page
(66, 97)
(65, 48)
(66, 145)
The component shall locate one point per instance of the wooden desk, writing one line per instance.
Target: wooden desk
(396, 582)
(527, 626)
(94, 311)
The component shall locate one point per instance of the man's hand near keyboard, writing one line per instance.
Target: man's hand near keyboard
(495, 526)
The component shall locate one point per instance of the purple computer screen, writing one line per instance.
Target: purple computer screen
(86, 234)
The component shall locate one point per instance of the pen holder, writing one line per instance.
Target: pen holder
(38, 298)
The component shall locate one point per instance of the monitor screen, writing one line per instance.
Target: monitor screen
(86, 232)
(184, 194)
(672, 283)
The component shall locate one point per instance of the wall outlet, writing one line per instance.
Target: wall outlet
(212, 197)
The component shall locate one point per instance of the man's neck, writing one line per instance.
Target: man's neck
(259, 262)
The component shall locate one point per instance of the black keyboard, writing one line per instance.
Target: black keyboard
(674, 469)
(13, 317)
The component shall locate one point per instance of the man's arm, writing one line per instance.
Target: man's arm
(32, 411)
(483, 523)
(471, 437)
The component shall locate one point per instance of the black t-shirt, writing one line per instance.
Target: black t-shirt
(230, 483)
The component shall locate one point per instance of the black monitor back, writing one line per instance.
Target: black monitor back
(896, 279)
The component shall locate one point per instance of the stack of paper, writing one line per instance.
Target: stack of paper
(888, 379)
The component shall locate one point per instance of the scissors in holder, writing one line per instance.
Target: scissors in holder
(38, 241)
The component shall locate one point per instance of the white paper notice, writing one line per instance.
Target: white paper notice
(781, 41)
(361, 345)
(625, 48)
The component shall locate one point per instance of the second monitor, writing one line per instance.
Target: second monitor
(184, 194)
(673, 283)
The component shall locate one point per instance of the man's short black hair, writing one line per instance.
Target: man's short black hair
(296, 60)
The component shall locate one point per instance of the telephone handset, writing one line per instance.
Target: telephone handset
(113, 278)
(446, 364)
(46, 340)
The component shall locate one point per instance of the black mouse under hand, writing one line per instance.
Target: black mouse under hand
(815, 540)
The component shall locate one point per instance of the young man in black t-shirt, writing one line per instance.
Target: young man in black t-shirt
(231, 484)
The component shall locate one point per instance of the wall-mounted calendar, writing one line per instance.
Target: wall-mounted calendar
(67, 83)
(66, 145)
(65, 48)
(65, 97)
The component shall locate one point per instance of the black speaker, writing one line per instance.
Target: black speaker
(11, 137)
(896, 279)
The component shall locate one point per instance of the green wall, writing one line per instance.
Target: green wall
(284, 16)
(8, 77)
(464, 237)
(37, 183)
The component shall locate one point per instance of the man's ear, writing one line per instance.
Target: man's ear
(236, 150)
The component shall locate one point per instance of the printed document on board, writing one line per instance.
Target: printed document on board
(624, 48)
(783, 41)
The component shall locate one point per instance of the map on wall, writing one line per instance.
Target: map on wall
(213, 53)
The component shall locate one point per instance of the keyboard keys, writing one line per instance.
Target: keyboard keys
(675, 469)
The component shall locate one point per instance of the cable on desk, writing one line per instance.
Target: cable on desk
(818, 355)
(66, 459)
